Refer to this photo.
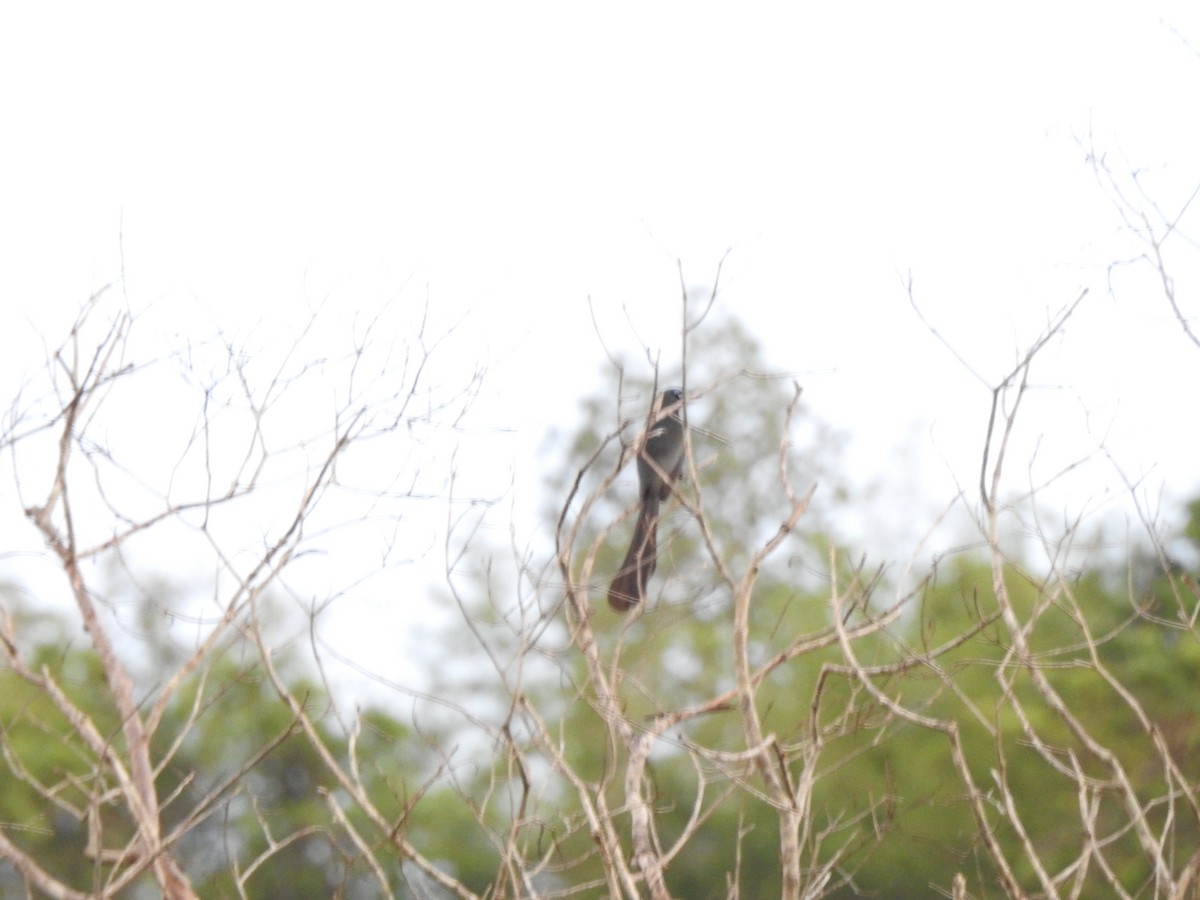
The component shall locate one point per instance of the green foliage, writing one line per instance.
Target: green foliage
(888, 798)
(1115, 645)
(233, 751)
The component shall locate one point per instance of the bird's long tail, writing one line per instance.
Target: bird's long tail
(629, 587)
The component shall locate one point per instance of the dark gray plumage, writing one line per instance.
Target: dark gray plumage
(664, 445)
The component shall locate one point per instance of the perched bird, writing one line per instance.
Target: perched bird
(659, 462)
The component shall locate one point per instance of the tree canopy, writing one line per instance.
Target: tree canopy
(783, 715)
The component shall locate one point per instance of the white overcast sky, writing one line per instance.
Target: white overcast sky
(512, 161)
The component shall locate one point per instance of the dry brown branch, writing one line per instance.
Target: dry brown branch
(1145, 218)
(579, 754)
(35, 874)
(138, 786)
(118, 796)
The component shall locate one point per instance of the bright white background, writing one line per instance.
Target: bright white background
(243, 162)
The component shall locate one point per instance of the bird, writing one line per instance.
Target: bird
(659, 461)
